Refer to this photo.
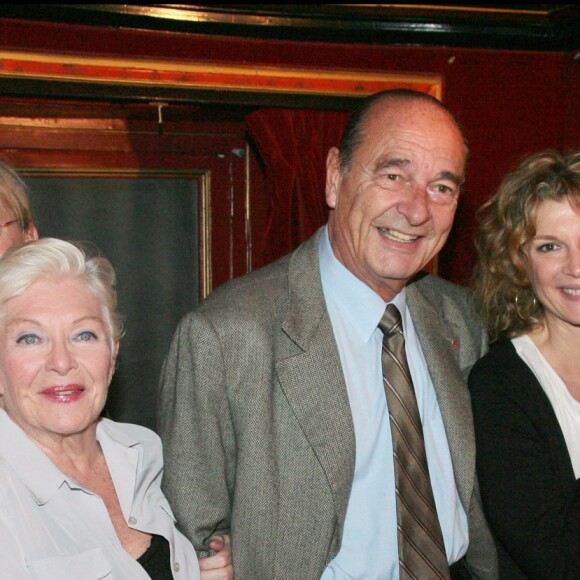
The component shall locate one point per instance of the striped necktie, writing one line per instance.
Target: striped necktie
(421, 548)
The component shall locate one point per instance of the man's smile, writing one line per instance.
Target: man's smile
(397, 236)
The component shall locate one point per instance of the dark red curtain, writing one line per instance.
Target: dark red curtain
(293, 145)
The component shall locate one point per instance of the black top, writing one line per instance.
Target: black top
(157, 559)
(529, 490)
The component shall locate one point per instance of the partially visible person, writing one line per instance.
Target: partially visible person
(526, 390)
(80, 495)
(16, 223)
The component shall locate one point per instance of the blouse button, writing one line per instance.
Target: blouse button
(132, 521)
(176, 566)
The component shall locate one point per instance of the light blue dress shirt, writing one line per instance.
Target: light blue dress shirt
(369, 546)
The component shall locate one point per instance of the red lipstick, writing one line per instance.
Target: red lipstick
(64, 393)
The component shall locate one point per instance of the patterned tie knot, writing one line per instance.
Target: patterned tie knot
(391, 321)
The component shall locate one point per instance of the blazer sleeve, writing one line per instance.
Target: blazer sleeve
(531, 497)
(196, 428)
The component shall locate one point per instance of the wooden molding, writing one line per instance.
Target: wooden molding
(211, 77)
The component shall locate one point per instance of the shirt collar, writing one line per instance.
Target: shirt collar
(35, 469)
(361, 306)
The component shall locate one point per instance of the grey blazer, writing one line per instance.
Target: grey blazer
(256, 423)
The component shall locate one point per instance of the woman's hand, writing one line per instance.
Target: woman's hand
(218, 566)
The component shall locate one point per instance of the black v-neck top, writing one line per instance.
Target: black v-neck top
(156, 560)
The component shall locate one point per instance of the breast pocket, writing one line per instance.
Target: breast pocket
(90, 565)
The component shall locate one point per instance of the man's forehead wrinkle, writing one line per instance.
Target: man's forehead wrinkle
(404, 162)
(393, 161)
(384, 162)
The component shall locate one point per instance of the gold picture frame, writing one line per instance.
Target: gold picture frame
(193, 79)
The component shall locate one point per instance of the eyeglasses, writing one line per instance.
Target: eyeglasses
(2, 226)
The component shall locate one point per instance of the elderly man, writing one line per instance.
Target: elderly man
(16, 223)
(316, 409)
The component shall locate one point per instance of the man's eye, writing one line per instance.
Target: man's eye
(393, 176)
(441, 193)
(28, 339)
(441, 189)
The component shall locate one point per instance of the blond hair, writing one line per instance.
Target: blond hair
(502, 288)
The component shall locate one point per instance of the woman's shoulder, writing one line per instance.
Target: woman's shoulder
(12, 488)
(500, 353)
(500, 366)
(6, 475)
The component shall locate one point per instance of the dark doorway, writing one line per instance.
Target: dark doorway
(147, 227)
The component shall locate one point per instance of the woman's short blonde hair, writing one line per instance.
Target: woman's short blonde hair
(22, 266)
(507, 222)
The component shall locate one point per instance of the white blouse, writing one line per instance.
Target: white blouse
(51, 527)
(566, 407)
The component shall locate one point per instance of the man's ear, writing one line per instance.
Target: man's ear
(30, 234)
(333, 177)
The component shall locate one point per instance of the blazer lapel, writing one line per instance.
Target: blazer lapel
(438, 342)
(311, 376)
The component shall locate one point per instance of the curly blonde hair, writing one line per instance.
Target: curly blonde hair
(507, 221)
